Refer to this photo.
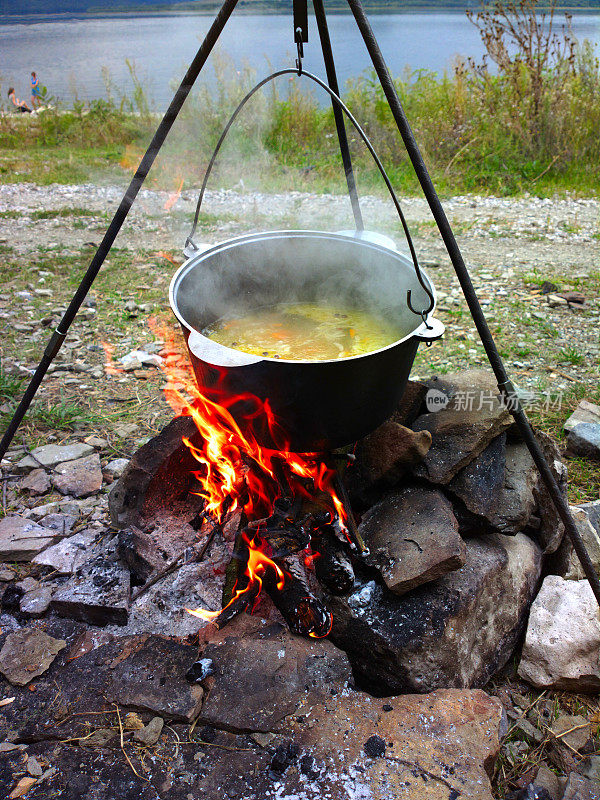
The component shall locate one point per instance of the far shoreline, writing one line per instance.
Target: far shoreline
(31, 19)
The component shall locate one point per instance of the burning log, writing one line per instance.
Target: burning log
(304, 613)
(333, 567)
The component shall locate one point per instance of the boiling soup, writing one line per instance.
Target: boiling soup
(306, 332)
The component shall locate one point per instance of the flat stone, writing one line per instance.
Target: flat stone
(49, 455)
(439, 746)
(152, 678)
(96, 442)
(28, 653)
(7, 575)
(150, 733)
(36, 602)
(584, 440)
(387, 454)
(36, 483)
(97, 593)
(413, 538)
(67, 555)
(580, 788)
(63, 524)
(562, 644)
(591, 540)
(79, 478)
(21, 539)
(459, 435)
(548, 780)
(480, 484)
(114, 469)
(573, 730)
(584, 413)
(262, 674)
(126, 430)
(68, 507)
(458, 631)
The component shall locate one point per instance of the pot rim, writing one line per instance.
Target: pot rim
(419, 331)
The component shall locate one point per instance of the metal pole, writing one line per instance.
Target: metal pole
(504, 384)
(337, 112)
(138, 179)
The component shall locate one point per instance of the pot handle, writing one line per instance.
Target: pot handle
(189, 243)
(429, 331)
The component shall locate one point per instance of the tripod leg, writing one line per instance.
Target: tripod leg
(504, 383)
(337, 112)
(138, 179)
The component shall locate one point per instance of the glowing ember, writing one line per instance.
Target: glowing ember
(236, 473)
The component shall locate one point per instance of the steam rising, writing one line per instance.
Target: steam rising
(300, 267)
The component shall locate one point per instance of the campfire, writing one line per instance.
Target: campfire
(293, 523)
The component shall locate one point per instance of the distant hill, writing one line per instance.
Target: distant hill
(53, 7)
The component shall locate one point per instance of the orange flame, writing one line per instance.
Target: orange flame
(109, 363)
(225, 451)
(173, 197)
(234, 470)
(256, 567)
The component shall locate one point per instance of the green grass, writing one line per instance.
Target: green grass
(478, 133)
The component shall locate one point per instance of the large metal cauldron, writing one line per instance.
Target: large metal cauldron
(319, 404)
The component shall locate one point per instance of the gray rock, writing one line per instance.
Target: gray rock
(563, 638)
(7, 575)
(98, 593)
(49, 455)
(96, 441)
(458, 631)
(480, 484)
(263, 673)
(63, 524)
(584, 440)
(21, 539)
(36, 602)
(591, 539)
(516, 502)
(549, 781)
(33, 767)
(114, 469)
(152, 678)
(572, 730)
(69, 554)
(79, 478)
(459, 436)
(593, 512)
(68, 507)
(584, 413)
(36, 483)
(413, 538)
(28, 653)
(580, 788)
(150, 733)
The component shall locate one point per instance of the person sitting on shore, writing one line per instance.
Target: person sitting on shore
(20, 105)
(36, 91)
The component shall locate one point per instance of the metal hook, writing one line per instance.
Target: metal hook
(423, 314)
(300, 49)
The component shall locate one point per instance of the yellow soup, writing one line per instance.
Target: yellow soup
(305, 332)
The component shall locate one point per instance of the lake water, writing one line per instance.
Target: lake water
(68, 55)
